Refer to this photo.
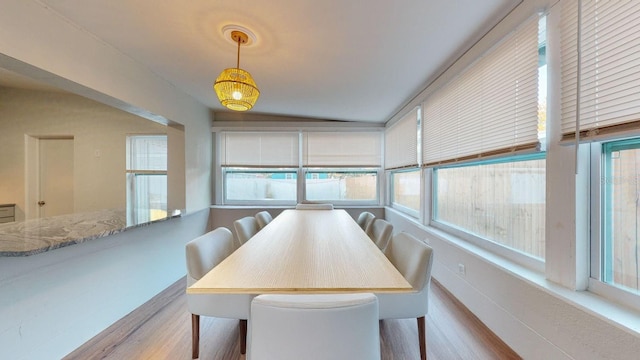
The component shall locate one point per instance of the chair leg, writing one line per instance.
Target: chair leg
(243, 337)
(195, 336)
(422, 338)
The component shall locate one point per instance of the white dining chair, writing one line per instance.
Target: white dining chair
(413, 259)
(245, 228)
(365, 219)
(203, 254)
(380, 232)
(314, 327)
(313, 206)
(263, 218)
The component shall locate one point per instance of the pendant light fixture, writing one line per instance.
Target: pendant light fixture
(235, 87)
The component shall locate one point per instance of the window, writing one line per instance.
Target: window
(503, 202)
(263, 185)
(259, 167)
(342, 167)
(146, 178)
(264, 167)
(406, 191)
(620, 189)
(342, 185)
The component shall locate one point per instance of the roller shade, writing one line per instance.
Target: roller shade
(259, 149)
(342, 149)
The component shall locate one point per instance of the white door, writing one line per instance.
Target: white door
(55, 177)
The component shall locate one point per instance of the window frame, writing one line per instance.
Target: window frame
(600, 230)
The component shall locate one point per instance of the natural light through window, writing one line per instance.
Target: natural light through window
(338, 186)
(268, 185)
(406, 191)
(620, 247)
(146, 178)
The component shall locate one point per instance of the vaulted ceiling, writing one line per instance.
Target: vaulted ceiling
(356, 60)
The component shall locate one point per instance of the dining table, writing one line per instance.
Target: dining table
(305, 252)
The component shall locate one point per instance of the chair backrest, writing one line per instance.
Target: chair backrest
(413, 259)
(336, 326)
(310, 206)
(380, 232)
(245, 228)
(365, 219)
(263, 218)
(205, 252)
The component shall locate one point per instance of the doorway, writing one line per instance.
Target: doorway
(50, 176)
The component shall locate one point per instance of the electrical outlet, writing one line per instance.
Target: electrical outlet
(461, 269)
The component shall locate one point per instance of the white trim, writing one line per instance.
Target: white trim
(618, 295)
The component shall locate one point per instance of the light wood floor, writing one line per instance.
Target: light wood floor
(161, 329)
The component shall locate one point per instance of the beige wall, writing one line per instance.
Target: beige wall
(99, 134)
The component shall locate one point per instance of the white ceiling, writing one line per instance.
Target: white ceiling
(357, 60)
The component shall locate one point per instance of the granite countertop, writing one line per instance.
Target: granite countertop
(39, 235)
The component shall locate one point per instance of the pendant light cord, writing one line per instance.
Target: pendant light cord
(238, 58)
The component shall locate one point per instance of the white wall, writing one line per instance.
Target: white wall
(53, 302)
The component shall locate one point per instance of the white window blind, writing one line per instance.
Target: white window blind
(259, 149)
(147, 152)
(401, 142)
(342, 149)
(609, 70)
(491, 108)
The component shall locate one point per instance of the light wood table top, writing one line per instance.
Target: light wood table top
(305, 251)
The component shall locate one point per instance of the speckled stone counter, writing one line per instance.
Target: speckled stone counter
(39, 235)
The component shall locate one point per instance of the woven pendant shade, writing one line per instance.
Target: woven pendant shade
(236, 89)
